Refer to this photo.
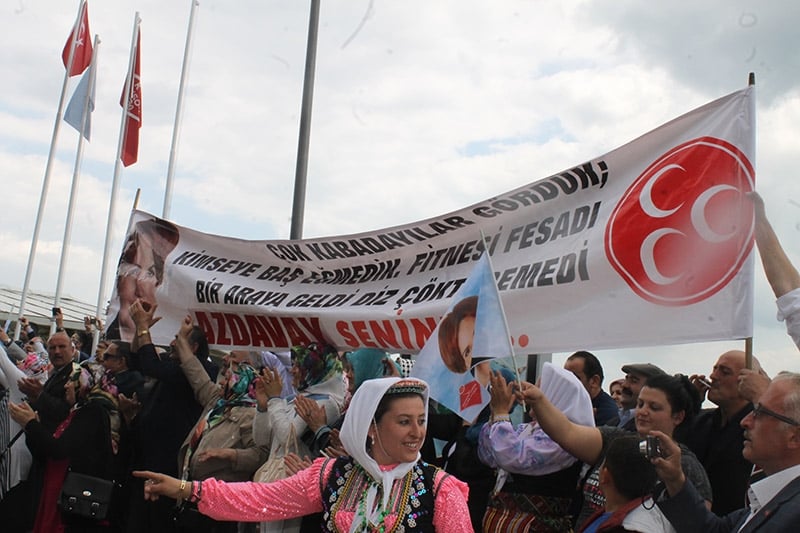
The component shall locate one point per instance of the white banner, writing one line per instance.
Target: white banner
(648, 244)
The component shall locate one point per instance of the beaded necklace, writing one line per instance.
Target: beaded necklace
(360, 481)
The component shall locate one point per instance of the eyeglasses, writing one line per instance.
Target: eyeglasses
(759, 410)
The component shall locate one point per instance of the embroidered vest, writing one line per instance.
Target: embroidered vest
(411, 499)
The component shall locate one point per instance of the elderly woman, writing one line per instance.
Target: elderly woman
(221, 444)
(82, 443)
(279, 424)
(381, 486)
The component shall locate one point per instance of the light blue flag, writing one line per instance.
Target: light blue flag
(74, 112)
(456, 362)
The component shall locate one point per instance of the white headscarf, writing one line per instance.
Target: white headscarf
(355, 429)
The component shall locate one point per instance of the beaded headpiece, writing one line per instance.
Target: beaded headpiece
(407, 385)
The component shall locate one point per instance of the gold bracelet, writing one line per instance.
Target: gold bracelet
(141, 332)
(183, 486)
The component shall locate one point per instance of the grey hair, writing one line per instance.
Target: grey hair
(791, 402)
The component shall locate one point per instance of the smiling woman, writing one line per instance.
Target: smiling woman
(382, 485)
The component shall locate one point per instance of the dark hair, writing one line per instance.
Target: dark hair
(591, 364)
(633, 474)
(85, 338)
(198, 336)
(123, 349)
(680, 393)
(448, 333)
(386, 403)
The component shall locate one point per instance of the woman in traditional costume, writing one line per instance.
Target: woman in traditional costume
(381, 486)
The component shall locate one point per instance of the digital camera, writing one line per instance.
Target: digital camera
(650, 447)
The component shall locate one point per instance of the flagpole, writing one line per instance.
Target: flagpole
(748, 341)
(76, 174)
(117, 167)
(178, 114)
(97, 331)
(502, 309)
(48, 169)
(298, 203)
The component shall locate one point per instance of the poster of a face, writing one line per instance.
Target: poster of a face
(456, 361)
(139, 273)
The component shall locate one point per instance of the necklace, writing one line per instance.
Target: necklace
(396, 503)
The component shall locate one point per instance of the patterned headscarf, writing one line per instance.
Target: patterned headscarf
(239, 391)
(316, 363)
(34, 365)
(94, 384)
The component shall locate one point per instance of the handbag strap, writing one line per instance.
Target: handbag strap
(12, 441)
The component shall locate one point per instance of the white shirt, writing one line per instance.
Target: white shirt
(761, 492)
(789, 311)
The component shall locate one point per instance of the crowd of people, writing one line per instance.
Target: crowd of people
(318, 440)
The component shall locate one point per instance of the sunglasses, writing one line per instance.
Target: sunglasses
(759, 410)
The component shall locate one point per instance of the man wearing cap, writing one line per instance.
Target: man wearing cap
(636, 376)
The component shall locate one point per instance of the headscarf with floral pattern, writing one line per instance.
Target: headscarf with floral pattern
(316, 363)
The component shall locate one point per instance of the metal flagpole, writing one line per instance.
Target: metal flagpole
(49, 168)
(298, 205)
(76, 174)
(178, 114)
(117, 167)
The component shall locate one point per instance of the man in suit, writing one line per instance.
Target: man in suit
(772, 441)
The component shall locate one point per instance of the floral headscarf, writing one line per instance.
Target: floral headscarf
(94, 384)
(34, 365)
(239, 391)
(316, 363)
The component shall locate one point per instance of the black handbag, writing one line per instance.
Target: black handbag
(188, 518)
(86, 496)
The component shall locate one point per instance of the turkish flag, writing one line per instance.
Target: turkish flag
(83, 49)
(133, 116)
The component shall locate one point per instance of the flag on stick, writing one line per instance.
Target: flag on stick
(133, 119)
(75, 108)
(455, 358)
(82, 55)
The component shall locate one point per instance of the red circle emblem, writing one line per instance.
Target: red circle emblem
(684, 227)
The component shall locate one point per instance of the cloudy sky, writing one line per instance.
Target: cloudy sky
(420, 108)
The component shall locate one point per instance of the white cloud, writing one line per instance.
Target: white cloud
(424, 108)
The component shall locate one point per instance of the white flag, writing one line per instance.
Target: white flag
(75, 108)
(455, 359)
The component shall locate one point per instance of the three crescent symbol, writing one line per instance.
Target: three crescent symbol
(699, 220)
(646, 196)
(647, 256)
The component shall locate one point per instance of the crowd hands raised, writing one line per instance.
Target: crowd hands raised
(316, 440)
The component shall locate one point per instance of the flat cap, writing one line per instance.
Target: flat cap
(647, 370)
